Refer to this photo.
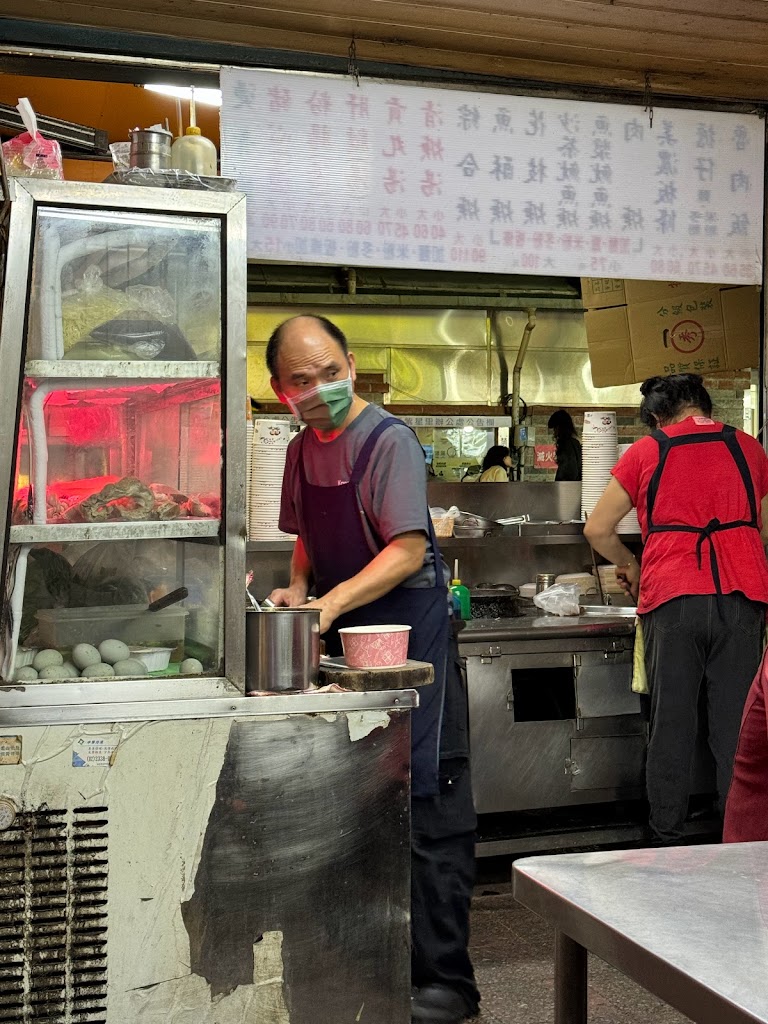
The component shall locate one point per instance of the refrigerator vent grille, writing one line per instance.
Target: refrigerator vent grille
(53, 917)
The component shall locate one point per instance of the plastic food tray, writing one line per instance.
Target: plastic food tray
(133, 624)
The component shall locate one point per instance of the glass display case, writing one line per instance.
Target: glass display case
(122, 346)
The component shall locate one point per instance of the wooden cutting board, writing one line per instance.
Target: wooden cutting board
(412, 673)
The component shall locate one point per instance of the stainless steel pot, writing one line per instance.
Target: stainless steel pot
(151, 148)
(282, 649)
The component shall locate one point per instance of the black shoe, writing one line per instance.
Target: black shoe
(438, 1004)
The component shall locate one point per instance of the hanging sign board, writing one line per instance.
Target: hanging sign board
(544, 457)
(391, 175)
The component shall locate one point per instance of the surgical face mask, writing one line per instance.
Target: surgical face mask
(324, 407)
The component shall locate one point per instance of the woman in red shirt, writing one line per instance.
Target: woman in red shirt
(700, 491)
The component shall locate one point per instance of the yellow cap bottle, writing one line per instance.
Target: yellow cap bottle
(194, 153)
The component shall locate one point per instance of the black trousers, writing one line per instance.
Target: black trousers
(443, 856)
(693, 641)
(442, 877)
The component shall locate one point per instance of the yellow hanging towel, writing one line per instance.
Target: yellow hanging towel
(639, 678)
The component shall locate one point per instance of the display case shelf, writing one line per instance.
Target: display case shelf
(175, 529)
(119, 369)
(270, 545)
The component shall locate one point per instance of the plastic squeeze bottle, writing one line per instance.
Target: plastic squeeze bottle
(460, 595)
(193, 152)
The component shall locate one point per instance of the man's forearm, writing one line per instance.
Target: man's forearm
(400, 559)
(301, 569)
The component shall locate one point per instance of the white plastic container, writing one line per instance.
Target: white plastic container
(194, 153)
(154, 658)
(25, 656)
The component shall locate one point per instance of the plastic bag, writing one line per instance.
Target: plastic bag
(29, 155)
(560, 599)
(444, 521)
(91, 304)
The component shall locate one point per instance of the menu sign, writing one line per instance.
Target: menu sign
(392, 175)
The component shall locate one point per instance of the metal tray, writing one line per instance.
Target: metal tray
(609, 611)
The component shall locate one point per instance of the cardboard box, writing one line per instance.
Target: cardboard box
(604, 292)
(601, 292)
(703, 331)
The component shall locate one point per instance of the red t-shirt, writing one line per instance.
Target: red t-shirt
(700, 482)
(746, 810)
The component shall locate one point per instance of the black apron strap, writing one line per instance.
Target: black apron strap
(665, 444)
(358, 471)
(732, 443)
(362, 460)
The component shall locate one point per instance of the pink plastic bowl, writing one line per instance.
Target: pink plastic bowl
(375, 646)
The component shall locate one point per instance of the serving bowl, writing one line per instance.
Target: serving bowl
(375, 646)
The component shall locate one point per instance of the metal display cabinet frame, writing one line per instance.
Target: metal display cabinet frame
(25, 199)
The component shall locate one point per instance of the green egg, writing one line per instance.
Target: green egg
(97, 671)
(64, 671)
(25, 673)
(84, 655)
(130, 667)
(191, 667)
(113, 650)
(47, 658)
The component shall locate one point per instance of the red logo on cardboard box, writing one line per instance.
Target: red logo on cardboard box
(686, 336)
(544, 456)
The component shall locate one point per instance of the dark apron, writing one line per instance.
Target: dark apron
(336, 543)
(706, 533)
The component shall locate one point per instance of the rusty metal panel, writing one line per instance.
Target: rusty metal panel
(53, 916)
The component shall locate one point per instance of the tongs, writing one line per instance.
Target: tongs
(254, 603)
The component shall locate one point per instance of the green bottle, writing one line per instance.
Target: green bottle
(462, 606)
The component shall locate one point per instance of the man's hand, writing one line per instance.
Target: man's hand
(289, 597)
(328, 612)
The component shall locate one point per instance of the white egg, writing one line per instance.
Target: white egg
(113, 650)
(100, 670)
(191, 667)
(46, 658)
(84, 655)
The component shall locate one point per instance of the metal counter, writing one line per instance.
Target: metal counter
(308, 703)
(689, 924)
(229, 859)
(545, 627)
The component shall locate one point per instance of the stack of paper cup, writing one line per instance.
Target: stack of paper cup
(269, 444)
(600, 453)
(248, 474)
(630, 522)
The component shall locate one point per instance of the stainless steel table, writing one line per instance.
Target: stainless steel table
(690, 924)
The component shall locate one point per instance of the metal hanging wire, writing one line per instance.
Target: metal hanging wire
(648, 97)
(353, 68)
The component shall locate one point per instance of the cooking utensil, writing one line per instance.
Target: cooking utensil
(282, 649)
(495, 601)
(165, 602)
(470, 519)
(600, 593)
